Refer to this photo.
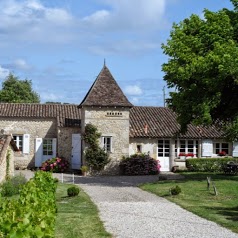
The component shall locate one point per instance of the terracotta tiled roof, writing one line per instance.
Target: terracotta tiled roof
(66, 114)
(105, 92)
(161, 122)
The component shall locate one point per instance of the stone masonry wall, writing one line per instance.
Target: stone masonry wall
(3, 163)
(65, 141)
(147, 146)
(112, 122)
(37, 128)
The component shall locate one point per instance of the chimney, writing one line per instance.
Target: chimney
(146, 128)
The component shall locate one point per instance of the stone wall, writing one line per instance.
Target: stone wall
(5, 149)
(113, 122)
(37, 128)
(148, 146)
(65, 141)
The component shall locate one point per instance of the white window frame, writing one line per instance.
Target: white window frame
(17, 140)
(107, 146)
(163, 148)
(49, 147)
(220, 147)
(186, 149)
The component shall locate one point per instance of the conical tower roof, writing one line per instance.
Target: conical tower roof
(105, 92)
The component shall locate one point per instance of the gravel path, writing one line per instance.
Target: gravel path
(129, 212)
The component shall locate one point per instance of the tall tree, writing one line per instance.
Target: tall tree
(203, 68)
(18, 91)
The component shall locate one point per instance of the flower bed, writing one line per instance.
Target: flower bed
(57, 165)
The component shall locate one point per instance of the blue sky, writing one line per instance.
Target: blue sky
(61, 44)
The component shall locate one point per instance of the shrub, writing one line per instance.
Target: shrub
(139, 164)
(96, 158)
(175, 190)
(57, 165)
(208, 164)
(12, 186)
(33, 214)
(73, 191)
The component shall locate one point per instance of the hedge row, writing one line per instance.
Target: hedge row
(33, 214)
(139, 164)
(208, 164)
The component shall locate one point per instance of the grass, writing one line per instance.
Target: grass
(195, 197)
(77, 216)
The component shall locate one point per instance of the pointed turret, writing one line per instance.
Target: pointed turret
(105, 92)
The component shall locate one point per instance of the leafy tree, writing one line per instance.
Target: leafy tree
(18, 91)
(203, 68)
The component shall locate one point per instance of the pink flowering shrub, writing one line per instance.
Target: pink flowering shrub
(57, 165)
(139, 164)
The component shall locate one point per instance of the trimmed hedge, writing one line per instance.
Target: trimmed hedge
(208, 164)
(139, 164)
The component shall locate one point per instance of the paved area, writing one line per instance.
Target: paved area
(128, 212)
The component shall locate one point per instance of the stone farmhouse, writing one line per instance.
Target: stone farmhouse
(43, 131)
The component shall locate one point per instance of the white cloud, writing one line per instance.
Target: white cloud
(31, 20)
(21, 64)
(134, 100)
(52, 97)
(133, 90)
(3, 72)
(127, 15)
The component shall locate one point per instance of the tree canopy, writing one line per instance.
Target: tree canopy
(203, 68)
(18, 91)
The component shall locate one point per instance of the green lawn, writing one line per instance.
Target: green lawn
(77, 216)
(195, 197)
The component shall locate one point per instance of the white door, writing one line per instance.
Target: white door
(76, 151)
(163, 154)
(207, 148)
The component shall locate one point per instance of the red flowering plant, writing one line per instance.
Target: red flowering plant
(189, 155)
(57, 165)
(222, 153)
(182, 154)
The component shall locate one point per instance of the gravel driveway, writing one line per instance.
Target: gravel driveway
(129, 212)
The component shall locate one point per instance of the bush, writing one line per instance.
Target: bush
(56, 165)
(96, 158)
(139, 164)
(208, 164)
(176, 190)
(12, 186)
(33, 214)
(73, 191)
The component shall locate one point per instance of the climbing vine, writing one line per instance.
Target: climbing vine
(7, 177)
(96, 158)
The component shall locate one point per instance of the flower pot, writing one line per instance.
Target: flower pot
(182, 157)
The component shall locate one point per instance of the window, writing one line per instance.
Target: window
(186, 147)
(107, 143)
(19, 141)
(163, 148)
(220, 146)
(47, 146)
(138, 149)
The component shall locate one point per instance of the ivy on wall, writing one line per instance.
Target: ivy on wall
(96, 158)
(8, 157)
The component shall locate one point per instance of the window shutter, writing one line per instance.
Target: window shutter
(38, 152)
(54, 141)
(235, 149)
(26, 144)
(207, 148)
